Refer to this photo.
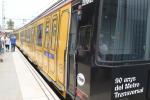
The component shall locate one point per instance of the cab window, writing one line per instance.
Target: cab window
(124, 31)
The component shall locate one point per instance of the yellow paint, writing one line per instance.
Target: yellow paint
(54, 43)
(46, 43)
(39, 49)
(62, 45)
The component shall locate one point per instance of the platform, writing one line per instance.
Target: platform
(20, 81)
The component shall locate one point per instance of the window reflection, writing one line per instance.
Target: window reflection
(123, 32)
(39, 35)
(85, 38)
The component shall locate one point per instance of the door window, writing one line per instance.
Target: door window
(39, 35)
(28, 34)
(85, 38)
(22, 34)
(46, 45)
(32, 33)
(54, 32)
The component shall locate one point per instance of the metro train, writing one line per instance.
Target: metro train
(92, 49)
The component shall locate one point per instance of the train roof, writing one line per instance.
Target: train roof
(54, 7)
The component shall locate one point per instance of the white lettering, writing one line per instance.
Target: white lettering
(85, 2)
(132, 85)
(127, 86)
(118, 80)
(117, 88)
(128, 93)
(130, 79)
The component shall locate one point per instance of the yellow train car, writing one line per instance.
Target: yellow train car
(44, 42)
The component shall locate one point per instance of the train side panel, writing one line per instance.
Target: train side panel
(17, 34)
(25, 45)
(65, 14)
(32, 44)
(45, 42)
(53, 45)
(39, 27)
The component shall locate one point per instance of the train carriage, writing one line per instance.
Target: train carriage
(93, 49)
(47, 40)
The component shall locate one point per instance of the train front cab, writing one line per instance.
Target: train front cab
(109, 50)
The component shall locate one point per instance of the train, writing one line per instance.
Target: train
(92, 49)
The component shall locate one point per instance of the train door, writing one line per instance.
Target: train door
(39, 43)
(84, 61)
(62, 46)
(30, 44)
(79, 61)
(53, 45)
(33, 43)
(80, 51)
(72, 53)
(46, 45)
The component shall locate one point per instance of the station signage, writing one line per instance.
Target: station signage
(85, 2)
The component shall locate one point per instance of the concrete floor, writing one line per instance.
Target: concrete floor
(19, 80)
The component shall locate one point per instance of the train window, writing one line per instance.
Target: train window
(73, 33)
(47, 33)
(124, 32)
(25, 35)
(85, 38)
(35, 31)
(39, 35)
(22, 36)
(28, 36)
(32, 37)
(54, 32)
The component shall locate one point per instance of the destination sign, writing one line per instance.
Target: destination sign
(85, 2)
